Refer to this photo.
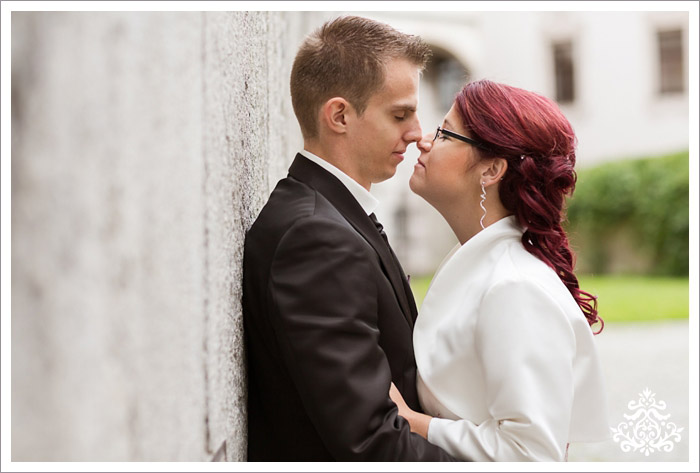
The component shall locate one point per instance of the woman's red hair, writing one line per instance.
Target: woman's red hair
(538, 142)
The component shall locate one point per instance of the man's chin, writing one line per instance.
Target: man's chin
(388, 175)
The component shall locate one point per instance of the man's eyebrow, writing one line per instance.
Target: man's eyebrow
(446, 123)
(409, 108)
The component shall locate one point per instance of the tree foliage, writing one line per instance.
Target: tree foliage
(648, 197)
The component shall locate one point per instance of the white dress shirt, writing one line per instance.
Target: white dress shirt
(506, 360)
(366, 200)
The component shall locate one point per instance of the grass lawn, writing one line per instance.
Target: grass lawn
(621, 298)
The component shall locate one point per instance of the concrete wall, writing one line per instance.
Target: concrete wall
(143, 146)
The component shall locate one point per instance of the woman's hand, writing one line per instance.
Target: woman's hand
(419, 422)
(395, 395)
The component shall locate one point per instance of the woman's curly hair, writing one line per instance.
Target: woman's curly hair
(538, 142)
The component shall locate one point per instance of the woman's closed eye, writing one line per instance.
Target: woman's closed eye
(441, 136)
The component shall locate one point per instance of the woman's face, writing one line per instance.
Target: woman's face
(446, 173)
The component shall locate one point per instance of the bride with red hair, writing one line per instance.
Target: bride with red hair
(507, 364)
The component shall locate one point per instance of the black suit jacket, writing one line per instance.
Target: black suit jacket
(328, 318)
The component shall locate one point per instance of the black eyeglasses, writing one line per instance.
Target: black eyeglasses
(457, 136)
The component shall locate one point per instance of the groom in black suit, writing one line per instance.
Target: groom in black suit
(328, 311)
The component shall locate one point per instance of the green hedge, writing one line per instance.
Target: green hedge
(645, 198)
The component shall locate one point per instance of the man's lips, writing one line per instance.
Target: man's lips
(420, 163)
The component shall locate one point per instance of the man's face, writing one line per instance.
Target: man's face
(379, 138)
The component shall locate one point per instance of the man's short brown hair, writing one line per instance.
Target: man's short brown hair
(346, 57)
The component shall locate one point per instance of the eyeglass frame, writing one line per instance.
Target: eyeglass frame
(457, 136)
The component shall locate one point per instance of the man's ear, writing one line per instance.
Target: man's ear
(494, 172)
(334, 114)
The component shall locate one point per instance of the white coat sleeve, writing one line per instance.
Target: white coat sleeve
(526, 348)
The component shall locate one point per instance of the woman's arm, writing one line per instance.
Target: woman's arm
(526, 348)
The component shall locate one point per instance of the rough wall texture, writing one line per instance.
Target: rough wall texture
(143, 146)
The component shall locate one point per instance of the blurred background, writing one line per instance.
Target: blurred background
(145, 143)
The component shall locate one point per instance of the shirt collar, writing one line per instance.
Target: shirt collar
(366, 200)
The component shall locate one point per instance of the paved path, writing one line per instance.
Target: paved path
(634, 357)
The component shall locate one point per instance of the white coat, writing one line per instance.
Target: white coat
(507, 363)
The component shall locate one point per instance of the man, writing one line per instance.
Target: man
(327, 309)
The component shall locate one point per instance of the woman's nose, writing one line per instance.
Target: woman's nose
(426, 143)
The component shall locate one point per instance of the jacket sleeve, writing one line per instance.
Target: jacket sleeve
(526, 348)
(324, 288)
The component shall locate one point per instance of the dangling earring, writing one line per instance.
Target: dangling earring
(481, 204)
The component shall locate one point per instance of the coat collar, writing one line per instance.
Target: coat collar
(472, 250)
(340, 197)
(479, 254)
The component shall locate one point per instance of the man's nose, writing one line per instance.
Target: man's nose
(426, 143)
(414, 133)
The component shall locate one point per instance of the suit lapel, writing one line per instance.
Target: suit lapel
(340, 197)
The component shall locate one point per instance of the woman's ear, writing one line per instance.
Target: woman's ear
(495, 171)
(334, 114)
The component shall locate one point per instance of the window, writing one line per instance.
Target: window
(450, 77)
(564, 72)
(670, 61)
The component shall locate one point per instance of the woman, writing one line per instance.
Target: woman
(507, 364)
